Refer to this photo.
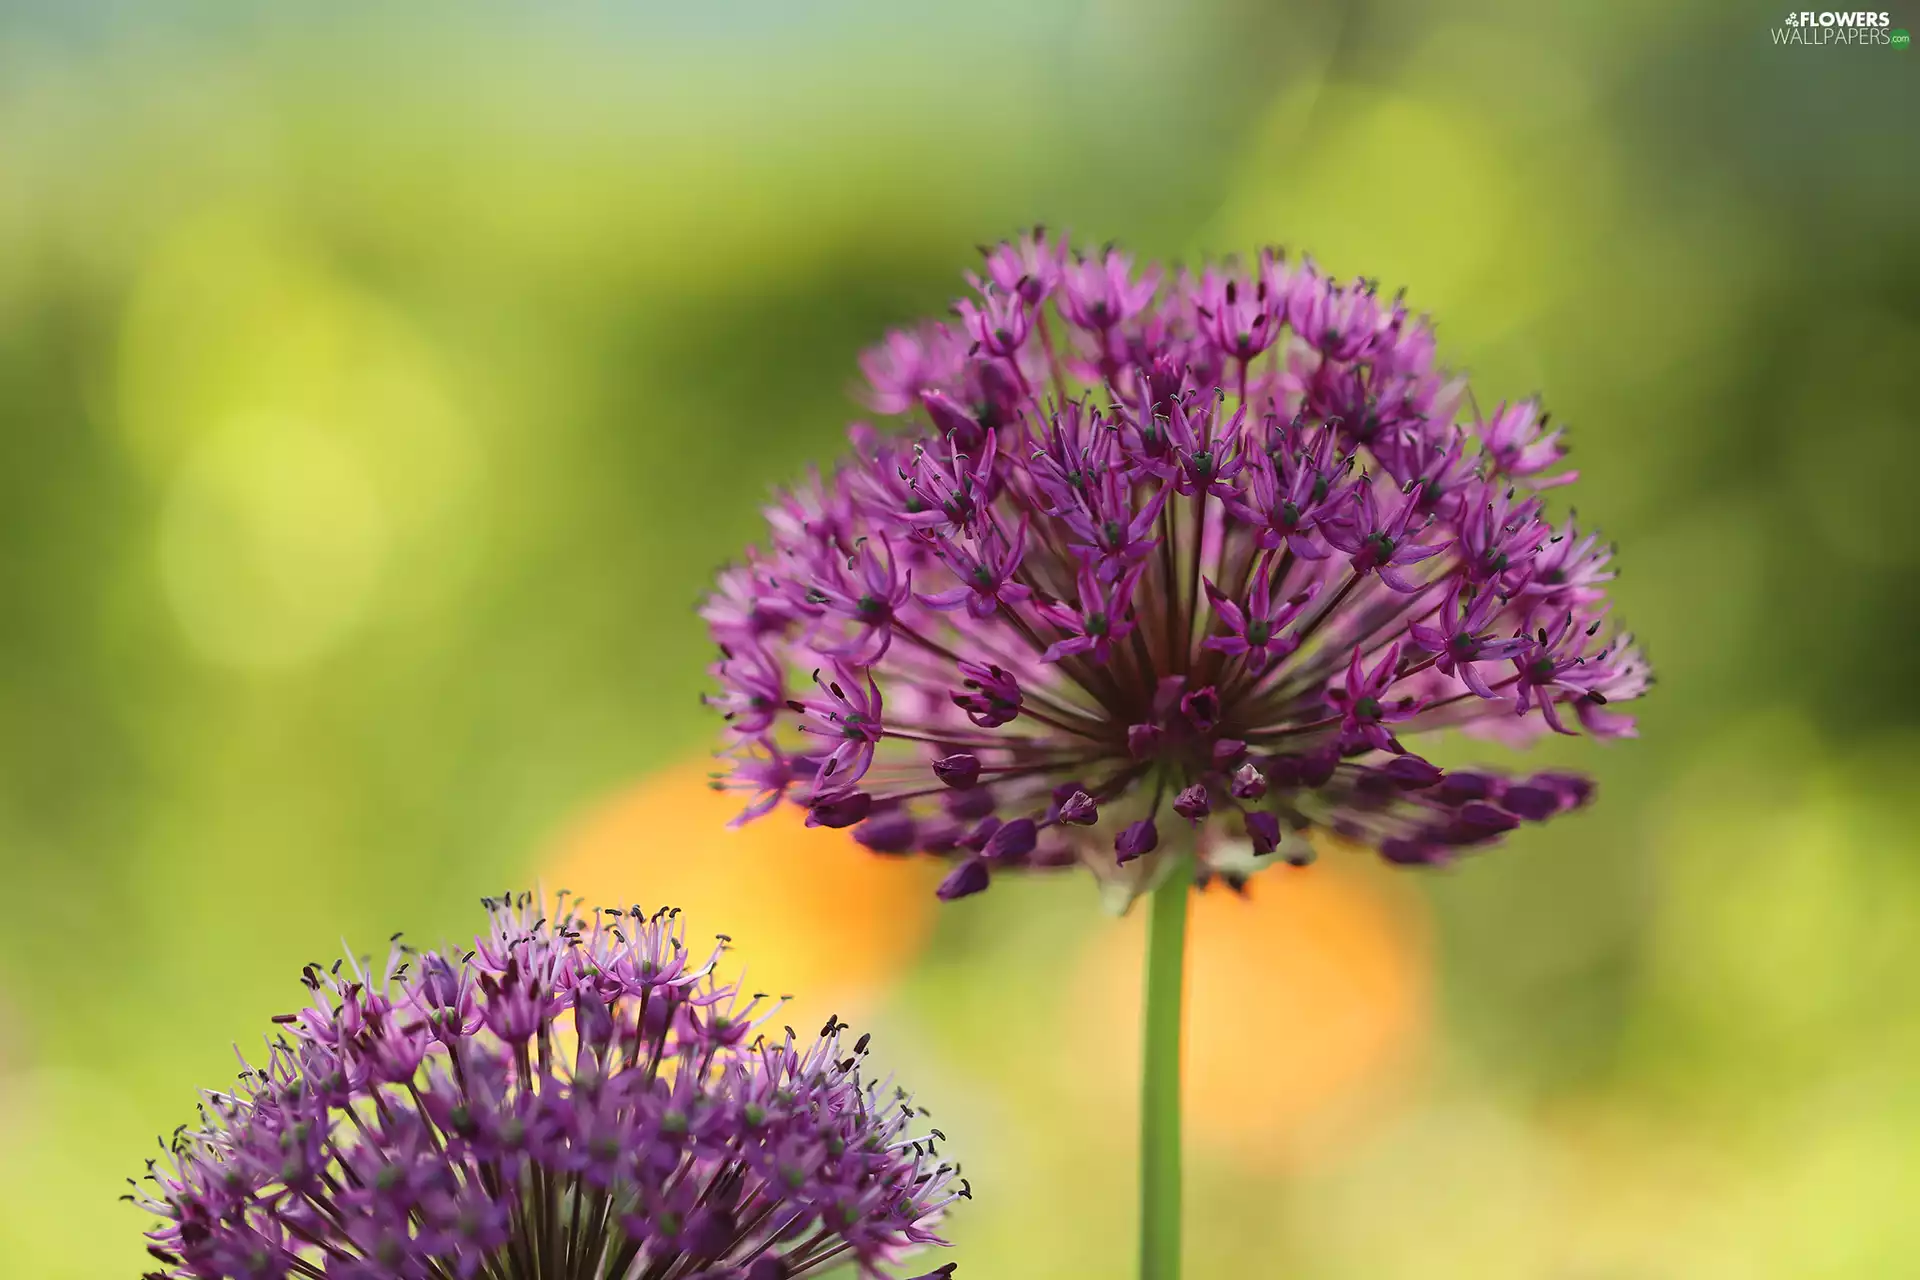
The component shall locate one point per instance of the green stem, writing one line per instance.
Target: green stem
(1160, 1078)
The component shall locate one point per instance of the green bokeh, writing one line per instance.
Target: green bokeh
(380, 391)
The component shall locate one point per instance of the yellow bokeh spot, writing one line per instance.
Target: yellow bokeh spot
(271, 543)
(1304, 999)
(1409, 190)
(811, 912)
(303, 437)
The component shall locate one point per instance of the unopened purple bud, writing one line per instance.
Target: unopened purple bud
(1143, 740)
(1137, 840)
(1001, 391)
(1248, 782)
(842, 810)
(1283, 771)
(1573, 790)
(941, 835)
(1458, 788)
(894, 831)
(1012, 840)
(1524, 800)
(1226, 751)
(953, 422)
(959, 771)
(1193, 803)
(965, 880)
(1080, 810)
(1317, 769)
(968, 805)
(1054, 853)
(982, 832)
(1412, 772)
(1412, 853)
(1484, 817)
(1263, 829)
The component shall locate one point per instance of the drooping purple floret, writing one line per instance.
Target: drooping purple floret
(1208, 554)
(578, 1097)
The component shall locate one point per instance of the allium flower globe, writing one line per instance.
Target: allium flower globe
(576, 1098)
(1144, 557)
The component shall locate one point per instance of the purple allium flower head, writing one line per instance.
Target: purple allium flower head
(576, 1096)
(1226, 546)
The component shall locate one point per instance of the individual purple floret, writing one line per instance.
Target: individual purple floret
(1209, 555)
(578, 1097)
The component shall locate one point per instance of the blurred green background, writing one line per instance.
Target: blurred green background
(379, 386)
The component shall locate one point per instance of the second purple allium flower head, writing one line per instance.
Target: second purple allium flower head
(578, 1097)
(1166, 563)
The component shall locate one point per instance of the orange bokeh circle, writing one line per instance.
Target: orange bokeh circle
(1306, 999)
(811, 913)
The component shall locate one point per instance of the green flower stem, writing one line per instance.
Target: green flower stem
(1160, 1077)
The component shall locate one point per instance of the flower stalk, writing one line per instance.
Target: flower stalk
(1160, 1167)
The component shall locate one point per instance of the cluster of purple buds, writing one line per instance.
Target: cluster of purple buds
(578, 1098)
(1146, 557)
